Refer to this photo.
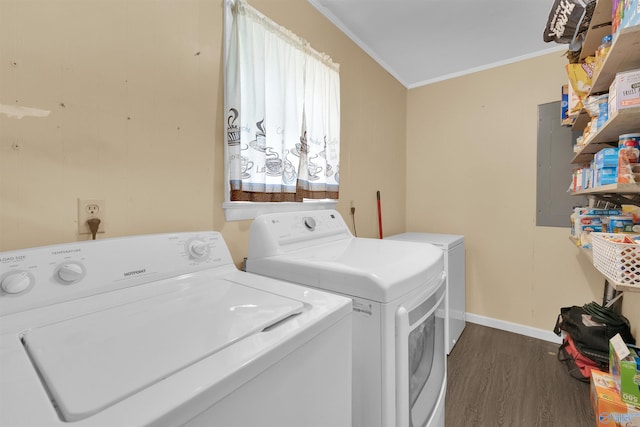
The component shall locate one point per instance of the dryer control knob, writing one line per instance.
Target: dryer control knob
(197, 249)
(310, 223)
(70, 272)
(15, 283)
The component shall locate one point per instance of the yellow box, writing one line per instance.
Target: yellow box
(607, 406)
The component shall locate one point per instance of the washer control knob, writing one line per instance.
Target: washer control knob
(310, 223)
(16, 282)
(70, 272)
(197, 249)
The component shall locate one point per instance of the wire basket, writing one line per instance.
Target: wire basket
(619, 262)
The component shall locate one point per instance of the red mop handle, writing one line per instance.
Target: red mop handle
(379, 216)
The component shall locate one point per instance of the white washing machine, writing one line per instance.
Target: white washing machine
(454, 264)
(398, 291)
(163, 330)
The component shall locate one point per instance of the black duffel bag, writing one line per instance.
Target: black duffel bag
(591, 327)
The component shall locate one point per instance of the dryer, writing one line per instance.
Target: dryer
(453, 249)
(164, 330)
(398, 295)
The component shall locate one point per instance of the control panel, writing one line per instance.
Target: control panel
(36, 277)
(284, 232)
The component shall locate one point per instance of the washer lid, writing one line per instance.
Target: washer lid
(91, 362)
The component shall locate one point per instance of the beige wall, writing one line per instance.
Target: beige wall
(134, 90)
(471, 169)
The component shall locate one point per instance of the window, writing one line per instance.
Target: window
(282, 106)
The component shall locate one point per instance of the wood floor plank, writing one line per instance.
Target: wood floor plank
(498, 378)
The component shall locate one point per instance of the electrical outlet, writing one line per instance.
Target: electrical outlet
(88, 209)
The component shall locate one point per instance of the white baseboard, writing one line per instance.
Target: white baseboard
(514, 327)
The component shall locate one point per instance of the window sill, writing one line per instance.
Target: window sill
(239, 211)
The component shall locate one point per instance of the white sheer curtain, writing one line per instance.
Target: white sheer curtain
(283, 114)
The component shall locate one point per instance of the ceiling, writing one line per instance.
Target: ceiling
(424, 41)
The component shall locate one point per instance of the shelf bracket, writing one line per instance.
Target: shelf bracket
(612, 298)
(619, 199)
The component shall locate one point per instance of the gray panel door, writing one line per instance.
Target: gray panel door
(555, 151)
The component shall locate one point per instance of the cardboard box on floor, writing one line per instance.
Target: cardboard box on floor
(607, 405)
(624, 366)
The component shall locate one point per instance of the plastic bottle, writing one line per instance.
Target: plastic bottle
(628, 156)
(602, 51)
(629, 140)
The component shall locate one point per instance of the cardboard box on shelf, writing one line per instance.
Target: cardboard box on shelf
(606, 158)
(564, 104)
(620, 224)
(605, 176)
(587, 178)
(588, 223)
(574, 105)
(596, 211)
(624, 91)
(630, 14)
(609, 409)
(616, 12)
(624, 13)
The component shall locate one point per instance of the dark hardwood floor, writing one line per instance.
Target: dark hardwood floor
(498, 378)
